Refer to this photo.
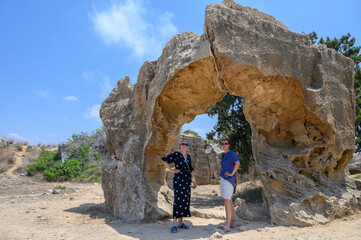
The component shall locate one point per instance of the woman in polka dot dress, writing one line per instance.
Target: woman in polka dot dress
(181, 184)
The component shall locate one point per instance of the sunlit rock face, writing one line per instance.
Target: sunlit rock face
(298, 99)
(206, 159)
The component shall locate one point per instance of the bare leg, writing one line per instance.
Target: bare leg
(180, 220)
(175, 222)
(228, 206)
(233, 214)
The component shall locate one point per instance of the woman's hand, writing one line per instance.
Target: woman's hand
(227, 174)
(194, 185)
(175, 171)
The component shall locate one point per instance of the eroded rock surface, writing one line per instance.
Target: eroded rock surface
(206, 159)
(298, 99)
(354, 165)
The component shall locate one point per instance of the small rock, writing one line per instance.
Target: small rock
(216, 235)
(242, 228)
(70, 190)
(56, 191)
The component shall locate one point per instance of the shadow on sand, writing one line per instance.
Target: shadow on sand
(161, 229)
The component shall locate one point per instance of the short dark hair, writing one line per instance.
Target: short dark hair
(225, 139)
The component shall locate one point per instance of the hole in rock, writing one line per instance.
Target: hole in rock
(204, 134)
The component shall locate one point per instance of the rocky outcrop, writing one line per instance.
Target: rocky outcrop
(96, 143)
(354, 165)
(206, 159)
(3, 142)
(298, 99)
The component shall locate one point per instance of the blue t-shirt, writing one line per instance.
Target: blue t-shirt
(227, 165)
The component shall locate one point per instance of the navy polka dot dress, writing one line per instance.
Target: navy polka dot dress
(181, 184)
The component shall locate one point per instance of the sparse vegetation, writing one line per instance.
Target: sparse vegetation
(250, 194)
(357, 176)
(191, 132)
(7, 159)
(61, 187)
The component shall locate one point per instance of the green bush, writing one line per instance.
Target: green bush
(357, 176)
(191, 132)
(45, 160)
(250, 195)
(84, 164)
(53, 169)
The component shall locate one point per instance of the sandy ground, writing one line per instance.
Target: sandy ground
(30, 210)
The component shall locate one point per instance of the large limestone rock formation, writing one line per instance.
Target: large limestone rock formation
(299, 101)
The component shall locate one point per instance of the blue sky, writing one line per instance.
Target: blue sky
(60, 59)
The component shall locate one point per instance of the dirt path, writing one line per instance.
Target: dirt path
(30, 210)
(19, 155)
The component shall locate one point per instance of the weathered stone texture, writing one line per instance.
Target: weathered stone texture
(298, 99)
(206, 159)
(354, 165)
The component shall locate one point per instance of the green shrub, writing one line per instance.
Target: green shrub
(188, 131)
(250, 195)
(357, 176)
(83, 165)
(45, 160)
(62, 187)
(54, 170)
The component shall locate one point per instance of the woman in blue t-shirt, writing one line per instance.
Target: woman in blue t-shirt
(229, 164)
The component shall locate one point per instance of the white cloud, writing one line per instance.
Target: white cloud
(89, 75)
(126, 23)
(70, 98)
(42, 93)
(93, 112)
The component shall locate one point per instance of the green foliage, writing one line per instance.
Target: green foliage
(250, 195)
(191, 132)
(346, 46)
(55, 170)
(81, 146)
(83, 165)
(61, 187)
(45, 160)
(357, 176)
(232, 124)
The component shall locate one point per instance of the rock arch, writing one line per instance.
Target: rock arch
(299, 101)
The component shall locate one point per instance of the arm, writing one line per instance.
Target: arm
(236, 166)
(170, 169)
(195, 182)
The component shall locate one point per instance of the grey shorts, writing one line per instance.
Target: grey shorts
(226, 189)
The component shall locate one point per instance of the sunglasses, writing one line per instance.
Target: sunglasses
(224, 143)
(184, 144)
